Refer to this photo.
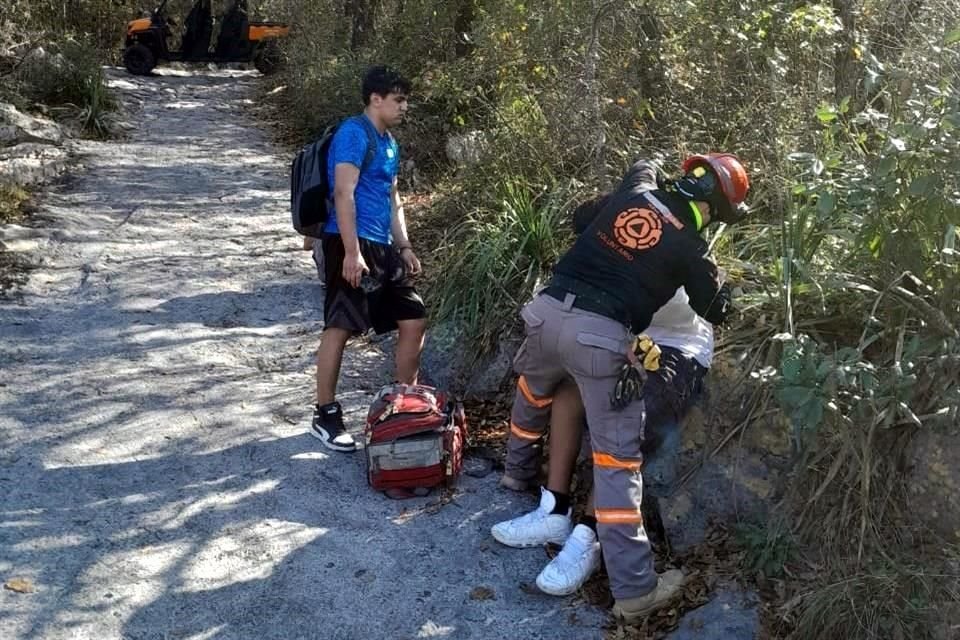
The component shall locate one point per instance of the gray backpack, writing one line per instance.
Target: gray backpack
(310, 190)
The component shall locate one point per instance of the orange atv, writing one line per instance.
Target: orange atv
(239, 40)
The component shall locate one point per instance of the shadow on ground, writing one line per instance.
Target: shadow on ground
(156, 475)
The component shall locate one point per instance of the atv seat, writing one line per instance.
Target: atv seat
(232, 40)
(198, 30)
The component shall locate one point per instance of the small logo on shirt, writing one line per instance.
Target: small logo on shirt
(390, 153)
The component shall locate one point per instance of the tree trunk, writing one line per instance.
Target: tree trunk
(595, 125)
(462, 24)
(361, 14)
(847, 70)
(652, 73)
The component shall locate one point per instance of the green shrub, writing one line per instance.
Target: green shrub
(69, 78)
(768, 548)
(496, 262)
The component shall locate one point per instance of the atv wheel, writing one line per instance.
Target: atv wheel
(268, 58)
(139, 60)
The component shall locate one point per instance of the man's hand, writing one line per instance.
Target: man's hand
(411, 261)
(354, 266)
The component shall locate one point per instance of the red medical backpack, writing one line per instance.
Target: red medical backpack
(415, 437)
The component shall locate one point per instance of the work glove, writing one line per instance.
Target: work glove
(642, 357)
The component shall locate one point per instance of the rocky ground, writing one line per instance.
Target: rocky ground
(157, 479)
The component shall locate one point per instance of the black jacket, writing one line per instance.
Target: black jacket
(640, 246)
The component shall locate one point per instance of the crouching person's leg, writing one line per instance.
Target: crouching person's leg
(580, 557)
(566, 431)
(537, 384)
(409, 347)
(538, 365)
(550, 521)
(618, 493)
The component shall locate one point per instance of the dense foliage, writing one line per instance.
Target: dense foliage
(847, 113)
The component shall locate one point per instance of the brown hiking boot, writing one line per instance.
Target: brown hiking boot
(633, 610)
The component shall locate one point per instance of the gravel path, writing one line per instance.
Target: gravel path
(156, 475)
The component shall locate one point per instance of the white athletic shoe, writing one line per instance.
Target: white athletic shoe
(535, 528)
(576, 562)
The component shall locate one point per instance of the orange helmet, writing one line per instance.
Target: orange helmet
(730, 172)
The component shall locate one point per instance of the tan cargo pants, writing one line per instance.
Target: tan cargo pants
(565, 342)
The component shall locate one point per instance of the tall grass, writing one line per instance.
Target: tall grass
(495, 260)
(69, 78)
(12, 198)
(881, 602)
(859, 276)
(96, 103)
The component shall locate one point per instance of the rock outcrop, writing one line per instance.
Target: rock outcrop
(31, 148)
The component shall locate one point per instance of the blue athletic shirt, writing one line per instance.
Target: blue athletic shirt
(372, 195)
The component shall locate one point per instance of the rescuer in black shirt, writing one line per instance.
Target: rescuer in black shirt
(637, 245)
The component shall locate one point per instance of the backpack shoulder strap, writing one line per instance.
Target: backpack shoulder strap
(371, 141)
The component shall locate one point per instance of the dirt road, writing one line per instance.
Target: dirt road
(157, 479)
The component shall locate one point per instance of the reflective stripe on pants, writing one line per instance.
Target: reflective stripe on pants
(564, 342)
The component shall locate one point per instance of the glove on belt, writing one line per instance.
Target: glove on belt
(643, 357)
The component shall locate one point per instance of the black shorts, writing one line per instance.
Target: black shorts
(385, 297)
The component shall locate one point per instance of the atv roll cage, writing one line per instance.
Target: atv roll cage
(239, 40)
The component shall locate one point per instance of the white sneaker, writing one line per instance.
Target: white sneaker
(576, 562)
(535, 528)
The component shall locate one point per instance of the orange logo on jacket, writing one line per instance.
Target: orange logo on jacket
(638, 228)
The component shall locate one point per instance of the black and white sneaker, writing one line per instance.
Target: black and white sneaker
(328, 427)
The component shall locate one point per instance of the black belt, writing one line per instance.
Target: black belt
(584, 303)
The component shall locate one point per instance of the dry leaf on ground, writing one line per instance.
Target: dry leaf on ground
(19, 585)
(482, 593)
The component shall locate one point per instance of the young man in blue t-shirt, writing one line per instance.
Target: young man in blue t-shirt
(369, 261)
